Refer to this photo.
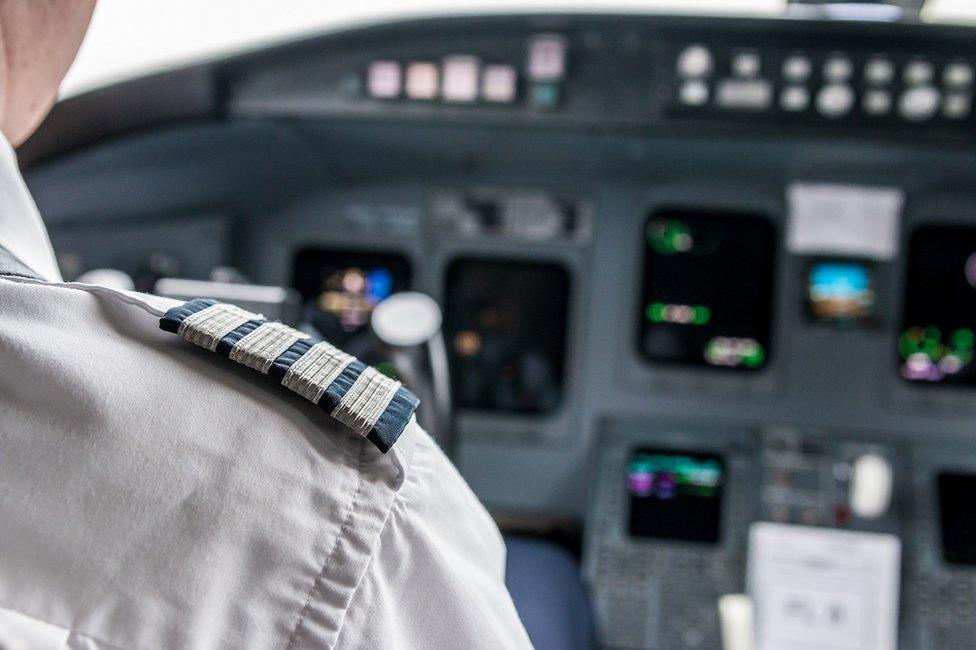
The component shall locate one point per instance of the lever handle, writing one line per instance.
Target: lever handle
(408, 327)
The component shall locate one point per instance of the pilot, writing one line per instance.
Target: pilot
(193, 476)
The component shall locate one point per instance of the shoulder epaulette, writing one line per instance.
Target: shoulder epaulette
(359, 396)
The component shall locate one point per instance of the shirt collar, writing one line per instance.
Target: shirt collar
(22, 232)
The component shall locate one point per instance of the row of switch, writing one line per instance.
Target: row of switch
(748, 89)
(463, 78)
(834, 100)
(458, 79)
(697, 62)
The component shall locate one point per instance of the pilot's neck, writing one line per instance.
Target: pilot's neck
(22, 232)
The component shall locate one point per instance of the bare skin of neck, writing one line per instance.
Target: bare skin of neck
(38, 42)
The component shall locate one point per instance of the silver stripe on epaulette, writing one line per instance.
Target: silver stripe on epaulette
(207, 326)
(261, 347)
(361, 407)
(316, 370)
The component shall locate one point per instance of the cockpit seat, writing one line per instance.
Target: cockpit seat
(544, 581)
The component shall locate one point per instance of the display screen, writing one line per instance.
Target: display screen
(936, 342)
(708, 283)
(339, 289)
(957, 496)
(505, 326)
(840, 293)
(675, 495)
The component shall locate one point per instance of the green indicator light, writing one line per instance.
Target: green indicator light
(669, 236)
(755, 357)
(962, 339)
(932, 333)
(702, 315)
(655, 312)
(910, 342)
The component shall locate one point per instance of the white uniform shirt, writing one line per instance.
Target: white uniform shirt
(154, 494)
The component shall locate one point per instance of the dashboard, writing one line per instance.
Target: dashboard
(693, 271)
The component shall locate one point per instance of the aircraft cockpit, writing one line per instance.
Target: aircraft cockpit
(690, 296)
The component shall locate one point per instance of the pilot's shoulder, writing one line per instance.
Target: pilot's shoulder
(362, 398)
(126, 327)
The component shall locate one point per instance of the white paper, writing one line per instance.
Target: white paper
(844, 220)
(823, 589)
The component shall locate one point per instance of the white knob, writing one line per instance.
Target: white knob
(958, 75)
(835, 100)
(919, 103)
(693, 93)
(694, 61)
(869, 493)
(796, 67)
(838, 68)
(918, 72)
(879, 71)
(794, 98)
(406, 319)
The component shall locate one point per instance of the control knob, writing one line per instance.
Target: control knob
(919, 103)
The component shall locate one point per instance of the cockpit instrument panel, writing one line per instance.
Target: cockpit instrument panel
(957, 491)
(675, 495)
(707, 289)
(506, 332)
(339, 289)
(937, 337)
(841, 293)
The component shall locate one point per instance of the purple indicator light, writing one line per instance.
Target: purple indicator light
(666, 486)
(640, 483)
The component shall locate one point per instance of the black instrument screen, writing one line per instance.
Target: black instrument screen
(708, 284)
(957, 494)
(675, 495)
(505, 324)
(339, 289)
(936, 342)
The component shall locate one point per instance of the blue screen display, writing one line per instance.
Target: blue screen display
(840, 292)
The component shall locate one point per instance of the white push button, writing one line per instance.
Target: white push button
(423, 80)
(459, 82)
(919, 103)
(958, 75)
(547, 57)
(838, 68)
(755, 95)
(383, 80)
(746, 64)
(879, 71)
(794, 98)
(499, 83)
(796, 67)
(694, 61)
(693, 93)
(877, 102)
(957, 105)
(835, 100)
(918, 72)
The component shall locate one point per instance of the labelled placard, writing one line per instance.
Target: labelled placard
(844, 220)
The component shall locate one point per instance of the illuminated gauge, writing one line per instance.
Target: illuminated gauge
(936, 344)
(707, 289)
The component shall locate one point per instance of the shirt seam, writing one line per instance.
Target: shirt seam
(401, 499)
(316, 584)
